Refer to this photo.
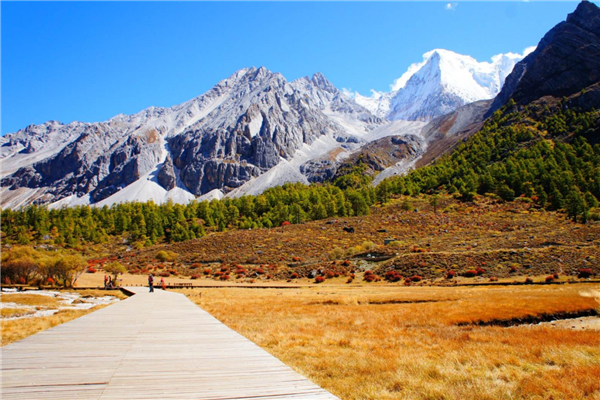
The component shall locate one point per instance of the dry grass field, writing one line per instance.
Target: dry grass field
(17, 329)
(377, 342)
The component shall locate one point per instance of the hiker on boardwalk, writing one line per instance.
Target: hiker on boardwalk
(162, 284)
(151, 283)
(105, 281)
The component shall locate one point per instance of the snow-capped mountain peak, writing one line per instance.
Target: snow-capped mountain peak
(440, 83)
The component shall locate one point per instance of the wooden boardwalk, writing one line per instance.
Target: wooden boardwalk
(151, 346)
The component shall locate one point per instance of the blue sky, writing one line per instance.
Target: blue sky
(90, 61)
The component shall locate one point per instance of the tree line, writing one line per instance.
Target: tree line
(149, 223)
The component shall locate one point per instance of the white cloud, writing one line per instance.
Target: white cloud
(451, 6)
(529, 50)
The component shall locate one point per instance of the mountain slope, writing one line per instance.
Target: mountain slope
(566, 60)
(236, 131)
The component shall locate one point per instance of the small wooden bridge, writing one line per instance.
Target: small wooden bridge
(150, 346)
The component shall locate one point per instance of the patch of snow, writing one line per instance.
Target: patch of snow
(214, 194)
(282, 173)
(396, 128)
(67, 302)
(399, 168)
(255, 125)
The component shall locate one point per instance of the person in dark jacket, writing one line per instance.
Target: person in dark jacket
(151, 283)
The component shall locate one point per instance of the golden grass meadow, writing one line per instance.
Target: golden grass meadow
(377, 342)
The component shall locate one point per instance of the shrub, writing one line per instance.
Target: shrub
(225, 277)
(470, 273)
(480, 271)
(329, 274)
(369, 276)
(450, 274)
(164, 274)
(336, 253)
(349, 280)
(195, 276)
(346, 263)
(165, 256)
(295, 275)
(195, 266)
(416, 278)
(91, 270)
(555, 276)
(319, 279)
(585, 273)
(393, 276)
(528, 280)
(260, 271)
(513, 268)
(550, 278)
(493, 279)
(207, 271)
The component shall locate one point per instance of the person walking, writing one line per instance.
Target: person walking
(162, 284)
(151, 283)
(105, 281)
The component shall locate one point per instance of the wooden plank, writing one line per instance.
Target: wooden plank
(150, 346)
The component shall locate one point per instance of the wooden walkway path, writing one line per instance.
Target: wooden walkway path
(150, 346)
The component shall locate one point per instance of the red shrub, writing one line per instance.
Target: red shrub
(480, 271)
(195, 276)
(513, 269)
(295, 275)
(346, 263)
(370, 278)
(319, 279)
(49, 281)
(470, 273)
(349, 280)
(225, 277)
(528, 280)
(22, 281)
(91, 270)
(196, 265)
(260, 271)
(493, 279)
(207, 271)
(296, 259)
(450, 274)
(416, 278)
(585, 273)
(393, 276)
(329, 274)
(550, 278)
